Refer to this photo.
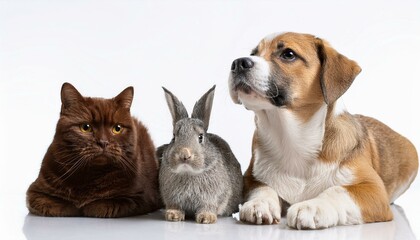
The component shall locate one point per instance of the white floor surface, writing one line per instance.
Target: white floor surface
(17, 223)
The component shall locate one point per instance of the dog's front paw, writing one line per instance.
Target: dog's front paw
(312, 214)
(260, 211)
(174, 215)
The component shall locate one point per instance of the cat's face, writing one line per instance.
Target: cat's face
(95, 131)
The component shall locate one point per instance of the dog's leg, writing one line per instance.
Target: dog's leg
(262, 204)
(355, 204)
(372, 199)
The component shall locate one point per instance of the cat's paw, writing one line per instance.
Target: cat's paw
(110, 208)
(206, 217)
(260, 211)
(44, 205)
(174, 215)
(312, 214)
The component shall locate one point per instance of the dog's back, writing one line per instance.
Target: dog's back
(394, 157)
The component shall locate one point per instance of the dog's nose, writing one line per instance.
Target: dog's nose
(241, 64)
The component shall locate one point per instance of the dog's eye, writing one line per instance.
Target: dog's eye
(288, 55)
(200, 138)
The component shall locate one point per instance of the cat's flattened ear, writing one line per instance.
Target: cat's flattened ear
(125, 98)
(176, 107)
(202, 108)
(337, 72)
(70, 96)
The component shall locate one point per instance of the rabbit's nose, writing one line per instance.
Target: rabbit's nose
(185, 154)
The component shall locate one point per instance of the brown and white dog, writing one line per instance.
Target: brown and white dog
(331, 167)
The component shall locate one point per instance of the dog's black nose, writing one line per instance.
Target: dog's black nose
(241, 64)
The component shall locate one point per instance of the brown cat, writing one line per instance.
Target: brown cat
(101, 163)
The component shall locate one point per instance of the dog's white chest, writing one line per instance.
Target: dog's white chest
(299, 183)
(286, 157)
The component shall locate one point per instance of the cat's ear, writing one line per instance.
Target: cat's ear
(125, 98)
(70, 96)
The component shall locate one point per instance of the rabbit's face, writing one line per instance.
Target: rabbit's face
(186, 151)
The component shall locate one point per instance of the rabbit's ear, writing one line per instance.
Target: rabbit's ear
(176, 107)
(202, 107)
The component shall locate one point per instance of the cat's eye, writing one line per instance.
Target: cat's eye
(200, 138)
(117, 129)
(85, 127)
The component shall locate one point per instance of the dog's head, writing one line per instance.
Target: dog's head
(290, 70)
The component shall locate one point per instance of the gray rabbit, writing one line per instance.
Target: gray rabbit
(199, 174)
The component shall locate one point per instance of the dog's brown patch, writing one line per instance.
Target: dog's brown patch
(393, 157)
(250, 183)
(368, 190)
(343, 137)
(302, 74)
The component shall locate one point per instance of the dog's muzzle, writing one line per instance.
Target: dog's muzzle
(252, 74)
(239, 70)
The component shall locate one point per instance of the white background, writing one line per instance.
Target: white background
(101, 47)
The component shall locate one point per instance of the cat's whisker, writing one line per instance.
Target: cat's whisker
(69, 172)
(121, 159)
(69, 148)
(76, 166)
(128, 165)
(126, 170)
(68, 159)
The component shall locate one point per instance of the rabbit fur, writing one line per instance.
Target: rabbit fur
(199, 174)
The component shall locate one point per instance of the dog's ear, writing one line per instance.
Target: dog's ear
(337, 72)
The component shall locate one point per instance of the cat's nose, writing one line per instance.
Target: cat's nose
(103, 143)
(185, 154)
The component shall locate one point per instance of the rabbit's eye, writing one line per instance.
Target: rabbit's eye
(200, 138)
